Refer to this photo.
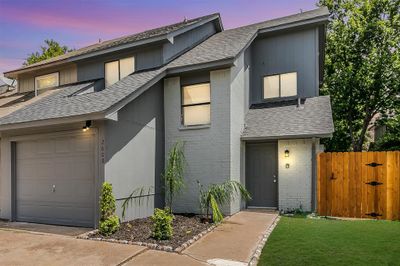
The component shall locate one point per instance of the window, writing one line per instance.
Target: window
(196, 104)
(46, 81)
(119, 69)
(282, 85)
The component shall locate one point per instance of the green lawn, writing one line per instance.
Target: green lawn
(302, 241)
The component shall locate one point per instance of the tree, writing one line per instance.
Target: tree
(362, 66)
(51, 49)
(173, 175)
(390, 141)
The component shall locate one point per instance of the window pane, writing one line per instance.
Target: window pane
(196, 115)
(46, 81)
(271, 87)
(289, 84)
(127, 66)
(198, 93)
(111, 73)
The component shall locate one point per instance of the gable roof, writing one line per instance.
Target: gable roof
(149, 35)
(312, 118)
(226, 45)
(229, 43)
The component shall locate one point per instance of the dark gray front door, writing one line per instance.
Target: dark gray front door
(261, 174)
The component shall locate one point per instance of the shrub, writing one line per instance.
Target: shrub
(109, 222)
(109, 225)
(162, 224)
(219, 194)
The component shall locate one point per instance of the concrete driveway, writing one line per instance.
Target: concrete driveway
(231, 243)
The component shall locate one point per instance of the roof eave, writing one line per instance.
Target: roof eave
(297, 136)
(312, 21)
(226, 62)
(53, 121)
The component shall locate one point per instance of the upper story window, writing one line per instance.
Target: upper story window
(282, 85)
(118, 69)
(196, 104)
(46, 81)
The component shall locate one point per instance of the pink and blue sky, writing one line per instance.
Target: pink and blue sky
(24, 24)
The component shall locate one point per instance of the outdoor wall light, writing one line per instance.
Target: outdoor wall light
(287, 166)
(87, 125)
(287, 154)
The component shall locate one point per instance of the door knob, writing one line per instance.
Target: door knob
(54, 188)
(274, 180)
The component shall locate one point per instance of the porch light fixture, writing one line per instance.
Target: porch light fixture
(87, 125)
(287, 154)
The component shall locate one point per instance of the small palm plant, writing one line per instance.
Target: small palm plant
(173, 175)
(218, 194)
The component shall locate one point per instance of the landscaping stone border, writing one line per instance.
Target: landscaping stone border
(150, 245)
(257, 253)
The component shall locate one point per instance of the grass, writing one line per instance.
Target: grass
(302, 241)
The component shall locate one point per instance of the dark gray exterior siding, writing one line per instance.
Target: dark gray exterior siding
(187, 40)
(144, 59)
(287, 52)
(138, 132)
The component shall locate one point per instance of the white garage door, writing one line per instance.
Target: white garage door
(55, 180)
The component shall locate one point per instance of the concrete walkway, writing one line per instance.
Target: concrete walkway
(231, 243)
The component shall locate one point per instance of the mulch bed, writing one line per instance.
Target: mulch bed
(185, 227)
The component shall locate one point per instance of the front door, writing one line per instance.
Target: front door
(261, 174)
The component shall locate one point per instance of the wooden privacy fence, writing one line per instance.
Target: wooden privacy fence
(359, 184)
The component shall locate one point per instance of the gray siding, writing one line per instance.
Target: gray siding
(187, 40)
(144, 59)
(287, 52)
(207, 150)
(134, 152)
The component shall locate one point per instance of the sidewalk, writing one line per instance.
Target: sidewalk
(232, 243)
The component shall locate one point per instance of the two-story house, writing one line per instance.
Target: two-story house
(245, 101)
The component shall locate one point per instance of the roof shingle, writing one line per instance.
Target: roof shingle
(313, 118)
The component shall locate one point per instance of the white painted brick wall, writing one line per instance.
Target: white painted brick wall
(237, 115)
(295, 182)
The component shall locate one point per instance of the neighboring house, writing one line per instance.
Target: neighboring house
(6, 84)
(245, 101)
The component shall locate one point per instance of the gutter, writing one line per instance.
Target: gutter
(305, 136)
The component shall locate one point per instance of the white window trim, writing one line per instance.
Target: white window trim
(45, 76)
(280, 88)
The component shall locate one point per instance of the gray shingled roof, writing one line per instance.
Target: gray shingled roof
(64, 103)
(122, 40)
(227, 44)
(313, 119)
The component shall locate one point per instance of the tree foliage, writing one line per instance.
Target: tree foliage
(362, 67)
(49, 50)
(390, 141)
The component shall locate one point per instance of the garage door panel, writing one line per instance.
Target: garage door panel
(71, 192)
(65, 163)
(67, 215)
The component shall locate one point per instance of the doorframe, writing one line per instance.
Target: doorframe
(277, 170)
(67, 133)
